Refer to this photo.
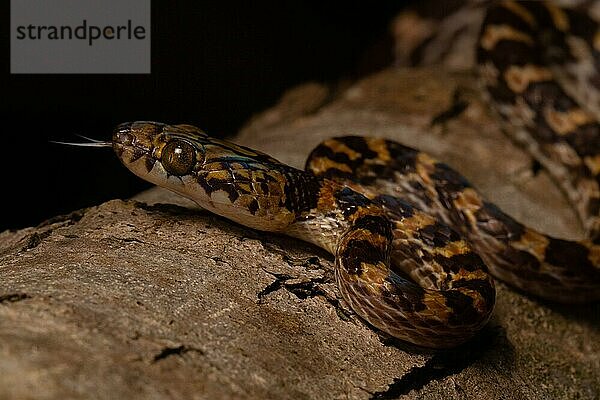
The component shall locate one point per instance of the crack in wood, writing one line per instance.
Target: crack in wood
(174, 351)
(305, 289)
(13, 297)
(70, 218)
(35, 239)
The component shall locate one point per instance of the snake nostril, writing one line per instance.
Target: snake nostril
(122, 134)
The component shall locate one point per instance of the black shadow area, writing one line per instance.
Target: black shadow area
(214, 64)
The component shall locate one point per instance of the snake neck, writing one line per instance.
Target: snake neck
(329, 209)
(261, 195)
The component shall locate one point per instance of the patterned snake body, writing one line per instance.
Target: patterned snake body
(390, 214)
(364, 229)
(539, 66)
(413, 240)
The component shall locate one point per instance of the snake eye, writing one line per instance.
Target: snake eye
(178, 157)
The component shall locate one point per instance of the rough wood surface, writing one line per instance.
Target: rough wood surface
(153, 299)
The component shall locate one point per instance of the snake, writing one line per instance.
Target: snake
(416, 246)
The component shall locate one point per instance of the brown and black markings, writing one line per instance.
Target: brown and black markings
(527, 49)
(422, 250)
(514, 253)
(411, 236)
(365, 229)
(409, 261)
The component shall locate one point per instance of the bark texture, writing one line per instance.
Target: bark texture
(153, 298)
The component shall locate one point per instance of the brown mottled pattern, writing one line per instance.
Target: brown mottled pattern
(413, 239)
(439, 296)
(539, 64)
(430, 252)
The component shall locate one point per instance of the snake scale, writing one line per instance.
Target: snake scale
(415, 243)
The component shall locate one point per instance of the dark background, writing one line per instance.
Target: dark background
(214, 64)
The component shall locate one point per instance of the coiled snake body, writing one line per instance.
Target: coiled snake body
(413, 240)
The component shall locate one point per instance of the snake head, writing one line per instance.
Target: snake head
(236, 182)
(166, 155)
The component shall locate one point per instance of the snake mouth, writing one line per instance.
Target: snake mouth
(122, 135)
(134, 140)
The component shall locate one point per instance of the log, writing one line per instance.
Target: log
(154, 298)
